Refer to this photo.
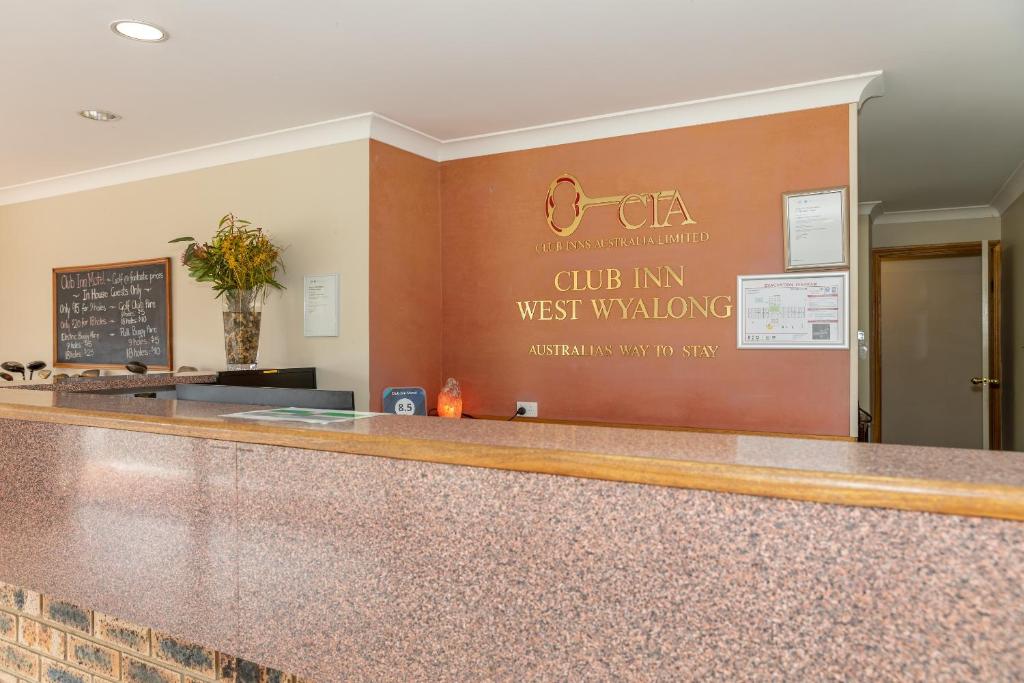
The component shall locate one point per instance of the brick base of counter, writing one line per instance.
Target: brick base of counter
(53, 641)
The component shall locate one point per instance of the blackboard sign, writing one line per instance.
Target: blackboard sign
(111, 314)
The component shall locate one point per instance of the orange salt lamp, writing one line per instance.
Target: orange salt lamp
(449, 401)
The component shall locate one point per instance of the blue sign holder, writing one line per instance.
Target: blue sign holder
(405, 401)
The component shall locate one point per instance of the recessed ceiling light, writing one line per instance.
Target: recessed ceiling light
(98, 115)
(139, 30)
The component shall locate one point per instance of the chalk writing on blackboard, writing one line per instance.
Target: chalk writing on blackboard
(109, 315)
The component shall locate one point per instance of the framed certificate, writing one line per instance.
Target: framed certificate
(797, 311)
(816, 231)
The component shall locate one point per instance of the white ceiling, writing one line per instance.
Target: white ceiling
(948, 131)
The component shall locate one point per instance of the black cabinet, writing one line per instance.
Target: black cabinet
(287, 378)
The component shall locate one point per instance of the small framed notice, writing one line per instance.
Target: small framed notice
(815, 227)
(795, 311)
(320, 305)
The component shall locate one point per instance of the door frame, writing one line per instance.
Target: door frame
(923, 251)
(995, 343)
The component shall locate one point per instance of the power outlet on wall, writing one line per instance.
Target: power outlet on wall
(530, 406)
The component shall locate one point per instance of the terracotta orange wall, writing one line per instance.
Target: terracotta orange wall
(731, 176)
(405, 272)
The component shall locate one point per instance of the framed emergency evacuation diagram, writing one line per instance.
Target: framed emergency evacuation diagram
(816, 229)
(793, 311)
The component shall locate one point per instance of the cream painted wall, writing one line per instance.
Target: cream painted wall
(315, 202)
(1013, 324)
(934, 232)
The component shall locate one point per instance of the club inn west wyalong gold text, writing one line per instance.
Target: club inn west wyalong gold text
(651, 307)
(652, 304)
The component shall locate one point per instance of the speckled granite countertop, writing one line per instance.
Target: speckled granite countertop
(952, 481)
(336, 566)
(123, 381)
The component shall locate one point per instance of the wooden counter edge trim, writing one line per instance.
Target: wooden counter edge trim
(666, 428)
(920, 495)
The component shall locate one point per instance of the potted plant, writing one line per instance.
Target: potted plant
(241, 262)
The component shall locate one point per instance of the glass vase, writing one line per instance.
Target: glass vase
(242, 313)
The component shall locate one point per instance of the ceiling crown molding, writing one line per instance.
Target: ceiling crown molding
(402, 136)
(956, 213)
(871, 209)
(1010, 191)
(787, 98)
(823, 93)
(320, 134)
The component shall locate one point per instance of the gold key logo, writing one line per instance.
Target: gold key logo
(581, 202)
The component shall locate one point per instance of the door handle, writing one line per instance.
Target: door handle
(985, 380)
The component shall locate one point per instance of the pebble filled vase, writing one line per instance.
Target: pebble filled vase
(242, 314)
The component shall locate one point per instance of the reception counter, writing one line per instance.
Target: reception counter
(398, 548)
(113, 382)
